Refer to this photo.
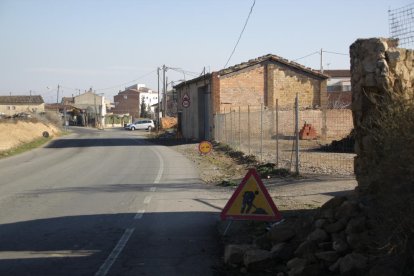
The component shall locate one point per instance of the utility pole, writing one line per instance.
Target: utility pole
(164, 100)
(321, 61)
(158, 106)
(57, 98)
(166, 92)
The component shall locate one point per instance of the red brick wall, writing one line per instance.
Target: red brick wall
(129, 105)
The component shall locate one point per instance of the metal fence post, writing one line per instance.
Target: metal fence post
(261, 132)
(225, 126)
(239, 129)
(277, 133)
(231, 126)
(248, 127)
(297, 133)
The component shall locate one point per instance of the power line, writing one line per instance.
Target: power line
(116, 86)
(335, 53)
(238, 40)
(314, 53)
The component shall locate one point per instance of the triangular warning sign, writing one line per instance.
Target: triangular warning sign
(251, 201)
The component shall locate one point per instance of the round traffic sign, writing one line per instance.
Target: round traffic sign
(205, 147)
(186, 103)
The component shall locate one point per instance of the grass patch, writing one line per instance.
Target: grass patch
(25, 147)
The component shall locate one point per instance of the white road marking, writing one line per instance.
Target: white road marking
(104, 269)
(106, 266)
(139, 214)
(161, 169)
(147, 199)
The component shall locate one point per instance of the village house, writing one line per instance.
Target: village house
(129, 101)
(11, 105)
(339, 88)
(261, 82)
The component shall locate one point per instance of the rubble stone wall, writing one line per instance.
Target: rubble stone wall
(382, 75)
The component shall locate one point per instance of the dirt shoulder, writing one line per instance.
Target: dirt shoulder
(289, 193)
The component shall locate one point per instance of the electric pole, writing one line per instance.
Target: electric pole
(166, 92)
(164, 100)
(321, 61)
(57, 98)
(158, 107)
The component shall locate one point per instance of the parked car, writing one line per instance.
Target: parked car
(141, 124)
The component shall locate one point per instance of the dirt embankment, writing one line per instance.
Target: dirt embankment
(15, 133)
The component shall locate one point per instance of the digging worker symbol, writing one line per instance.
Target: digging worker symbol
(247, 204)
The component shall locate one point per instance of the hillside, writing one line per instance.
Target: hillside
(16, 132)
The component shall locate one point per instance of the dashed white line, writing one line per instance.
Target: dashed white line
(147, 199)
(153, 189)
(103, 270)
(139, 214)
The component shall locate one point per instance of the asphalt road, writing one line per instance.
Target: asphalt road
(105, 203)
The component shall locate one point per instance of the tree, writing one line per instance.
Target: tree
(143, 108)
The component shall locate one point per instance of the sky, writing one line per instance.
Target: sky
(107, 45)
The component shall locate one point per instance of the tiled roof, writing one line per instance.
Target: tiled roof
(274, 58)
(252, 62)
(36, 99)
(342, 73)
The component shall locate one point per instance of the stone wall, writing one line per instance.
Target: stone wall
(382, 78)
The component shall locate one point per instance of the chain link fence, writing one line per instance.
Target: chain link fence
(307, 141)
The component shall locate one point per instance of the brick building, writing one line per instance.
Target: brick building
(264, 80)
(129, 100)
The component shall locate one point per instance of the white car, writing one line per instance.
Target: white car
(141, 124)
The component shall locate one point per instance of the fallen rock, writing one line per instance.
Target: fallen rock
(326, 213)
(329, 256)
(319, 223)
(281, 233)
(255, 256)
(347, 209)
(318, 235)
(234, 253)
(334, 202)
(306, 248)
(282, 251)
(296, 263)
(356, 225)
(339, 245)
(384, 270)
(263, 242)
(337, 226)
(351, 262)
(358, 240)
(326, 246)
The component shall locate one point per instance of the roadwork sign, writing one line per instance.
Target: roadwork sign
(251, 201)
(205, 147)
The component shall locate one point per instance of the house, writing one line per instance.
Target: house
(11, 105)
(92, 105)
(264, 81)
(129, 100)
(339, 88)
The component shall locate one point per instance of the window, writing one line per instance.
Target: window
(125, 97)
